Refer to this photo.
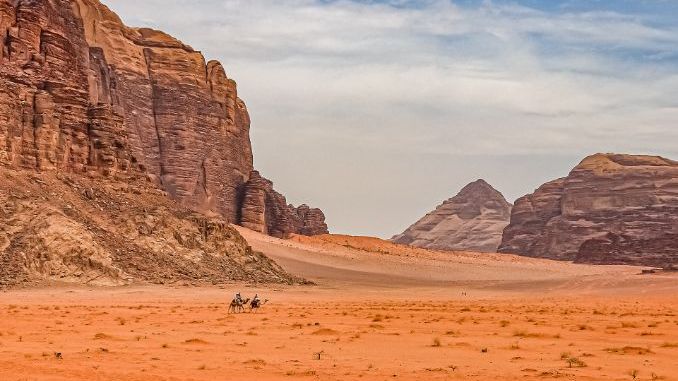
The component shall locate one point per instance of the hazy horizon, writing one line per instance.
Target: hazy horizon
(377, 111)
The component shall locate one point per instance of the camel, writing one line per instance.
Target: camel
(238, 306)
(255, 305)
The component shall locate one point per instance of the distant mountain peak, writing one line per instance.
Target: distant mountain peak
(472, 220)
(478, 184)
(480, 190)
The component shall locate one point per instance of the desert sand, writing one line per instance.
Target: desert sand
(377, 311)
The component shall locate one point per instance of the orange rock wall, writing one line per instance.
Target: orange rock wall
(82, 92)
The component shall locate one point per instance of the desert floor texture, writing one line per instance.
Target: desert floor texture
(377, 312)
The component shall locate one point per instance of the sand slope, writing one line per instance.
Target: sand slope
(338, 261)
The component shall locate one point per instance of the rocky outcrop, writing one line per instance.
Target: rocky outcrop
(81, 92)
(266, 211)
(48, 119)
(309, 221)
(77, 229)
(472, 220)
(611, 209)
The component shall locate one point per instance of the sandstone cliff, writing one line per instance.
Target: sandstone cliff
(81, 92)
(266, 211)
(472, 220)
(611, 209)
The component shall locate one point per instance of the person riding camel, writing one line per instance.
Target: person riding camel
(238, 298)
(255, 301)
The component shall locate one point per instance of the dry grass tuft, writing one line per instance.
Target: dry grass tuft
(325, 332)
(195, 341)
(630, 350)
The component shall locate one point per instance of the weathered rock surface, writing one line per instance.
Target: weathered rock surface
(81, 92)
(611, 209)
(75, 229)
(309, 221)
(266, 211)
(472, 220)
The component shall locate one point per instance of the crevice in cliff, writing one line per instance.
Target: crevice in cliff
(36, 148)
(155, 117)
(43, 50)
(5, 45)
(8, 37)
(239, 201)
(201, 189)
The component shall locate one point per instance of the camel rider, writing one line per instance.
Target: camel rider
(255, 300)
(238, 298)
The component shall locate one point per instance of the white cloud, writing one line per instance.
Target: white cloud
(326, 80)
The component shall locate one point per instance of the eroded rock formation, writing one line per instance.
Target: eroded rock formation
(472, 220)
(81, 92)
(611, 209)
(266, 211)
(77, 229)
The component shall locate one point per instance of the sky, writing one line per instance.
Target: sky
(377, 111)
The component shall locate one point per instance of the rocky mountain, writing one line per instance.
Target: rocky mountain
(77, 229)
(82, 93)
(472, 220)
(610, 209)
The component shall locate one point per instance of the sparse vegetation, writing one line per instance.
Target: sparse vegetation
(575, 362)
(630, 350)
(195, 341)
(526, 334)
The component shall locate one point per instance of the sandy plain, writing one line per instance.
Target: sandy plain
(377, 312)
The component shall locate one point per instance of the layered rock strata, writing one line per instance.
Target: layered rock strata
(81, 92)
(76, 229)
(472, 220)
(266, 211)
(610, 209)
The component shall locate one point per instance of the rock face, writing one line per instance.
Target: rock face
(81, 92)
(611, 209)
(77, 229)
(472, 220)
(266, 211)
